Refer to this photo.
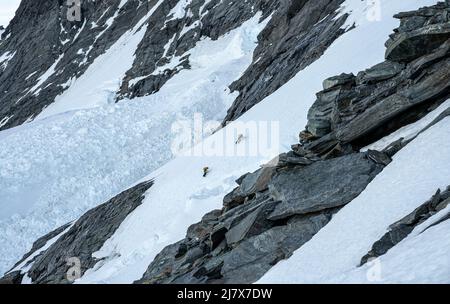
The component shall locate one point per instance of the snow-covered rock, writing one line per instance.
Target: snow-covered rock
(79, 159)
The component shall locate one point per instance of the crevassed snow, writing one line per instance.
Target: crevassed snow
(181, 196)
(179, 11)
(410, 131)
(54, 169)
(415, 174)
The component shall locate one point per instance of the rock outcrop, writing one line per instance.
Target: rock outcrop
(85, 236)
(402, 228)
(280, 207)
(271, 214)
(300, 33)
(45, 58)
(357, 110)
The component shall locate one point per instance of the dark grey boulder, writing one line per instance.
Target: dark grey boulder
(322, 185)
(200, 231)
(429, 87)
(230, 218)
(292, 159)
(257, 181)
(379, 157)
(163, 264)
(252, 224)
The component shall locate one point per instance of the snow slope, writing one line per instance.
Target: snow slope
(56, 168)
(333, 254)
(408, 132)
(423, 257)
(99, 84)
(181, 196)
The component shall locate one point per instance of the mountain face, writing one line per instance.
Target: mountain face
(107, 71)
(44, 58)
(366, 176)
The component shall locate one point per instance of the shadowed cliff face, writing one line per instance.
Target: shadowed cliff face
(47, 46)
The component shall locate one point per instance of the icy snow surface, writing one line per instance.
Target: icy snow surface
(180, 196)
(410, 131)
(56, 168)
(99, 84)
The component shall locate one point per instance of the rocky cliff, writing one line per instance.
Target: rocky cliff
(280, 207)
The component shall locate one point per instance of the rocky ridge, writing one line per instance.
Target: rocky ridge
(357, 110)
(402, 228)
(42, 66)
(281, 206)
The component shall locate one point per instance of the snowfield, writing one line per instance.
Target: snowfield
(181, 196)
(413, 177)
(54, 169)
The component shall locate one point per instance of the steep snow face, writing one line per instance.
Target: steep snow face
(423, 257)
(181, 196)
(332, 256)
(55, 169)
(99, 84)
